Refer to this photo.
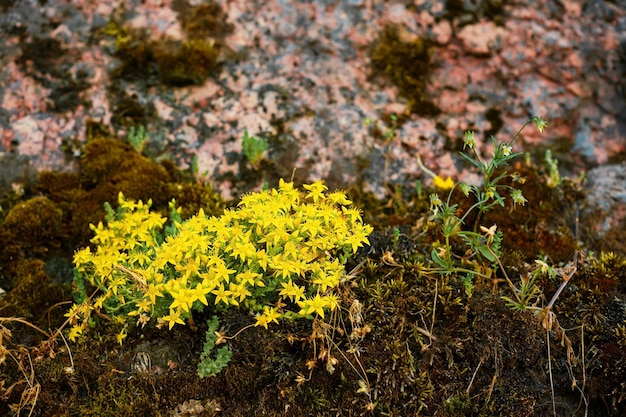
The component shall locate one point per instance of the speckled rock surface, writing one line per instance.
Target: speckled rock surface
(607, 195)
(302, 77)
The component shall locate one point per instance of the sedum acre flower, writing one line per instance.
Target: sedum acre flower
(279, 253)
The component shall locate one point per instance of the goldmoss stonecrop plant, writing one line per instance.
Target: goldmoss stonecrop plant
(279, 254)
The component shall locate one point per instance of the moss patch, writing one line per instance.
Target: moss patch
(406, 63)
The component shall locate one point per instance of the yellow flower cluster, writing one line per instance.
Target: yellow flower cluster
(279, 254)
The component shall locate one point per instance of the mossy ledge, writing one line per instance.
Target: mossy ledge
(407, 341)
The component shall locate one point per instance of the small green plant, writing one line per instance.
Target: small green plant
(254, 149)
(209, 366)
(138, 137)
(280, 255)
(554, 178)
(527, 293)
(483, 242)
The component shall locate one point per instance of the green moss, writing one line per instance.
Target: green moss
(407, 65)
(107, 167)
(204, 21)
(185, 63)
(34, 225)
(78, 206)
(460, 405)
(33, 293)
(17, 177)
(168, 61)
(113, 165)
(191, 197)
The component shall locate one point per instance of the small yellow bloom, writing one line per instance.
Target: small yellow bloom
(291, 290)
(339, 197)
(222, 294)
(313, 305)
(173, 318)
(268, 316)
(324, 280)
(446, 184)
(316, 190)
(75, 332)
(121, 336)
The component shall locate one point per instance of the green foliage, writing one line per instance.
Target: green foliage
(253, 148)
(554, 178)
(209, 366)
(482, 242)
(138, 137)
(527, 292)
(279, 254)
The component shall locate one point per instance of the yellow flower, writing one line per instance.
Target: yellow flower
(261, 258)
(200, 292)
(313, 305)
(222, 272)
(338, 197)
(239, 291)
(324, 280)
(353, 214)
(242, 249)
(316, 190)
(332, 302)
(83, 257)
(183, 298)
(285, 186)
(356, 240)
(75, 332)
(269, 315)
(173, 318)
(247, 277)
(313, 227)
(153, 292)
(121, 336)
(270, 241)
(291, 290)
(144, 305)
(446, 184)
(221, 294)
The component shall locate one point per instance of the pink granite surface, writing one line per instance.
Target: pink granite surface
(305, 64)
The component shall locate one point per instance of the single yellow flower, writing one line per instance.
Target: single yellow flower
(121, 336)
(446, 184)
(173, 318)
(313, 305)
(316, 190)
